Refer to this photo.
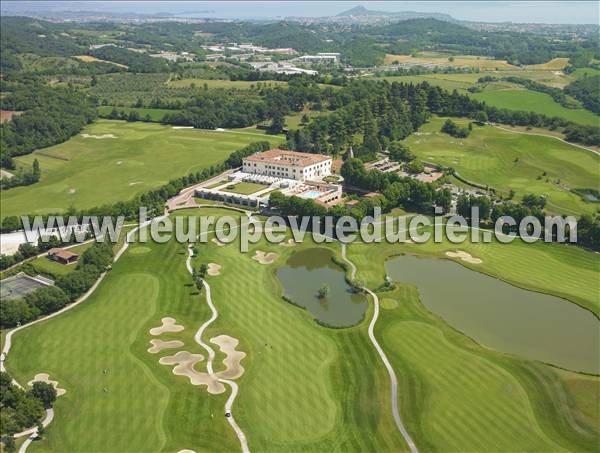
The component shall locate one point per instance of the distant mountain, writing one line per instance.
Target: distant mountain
(362, 12)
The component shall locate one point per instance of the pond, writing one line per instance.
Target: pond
(306, 272)
(503, 317)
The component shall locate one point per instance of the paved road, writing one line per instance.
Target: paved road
(386, 362)
(211, 356)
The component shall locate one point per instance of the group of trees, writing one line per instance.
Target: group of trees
(451, 128)
(586, 90)
(21, 177)
(135, 61)
(52, 116)
(22, 409)
(68, 288)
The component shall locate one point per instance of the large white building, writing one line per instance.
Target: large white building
(280, 163)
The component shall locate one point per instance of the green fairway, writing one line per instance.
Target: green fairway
(531, 101)
(87, 172)
(505, 160)
(155, 115)
(444, 375)
(245, 188)
(305, 387)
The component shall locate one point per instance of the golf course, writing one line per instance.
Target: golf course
(506, 160)
(305, 386)
(113, 161)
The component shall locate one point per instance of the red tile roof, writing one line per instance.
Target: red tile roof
(285, 157)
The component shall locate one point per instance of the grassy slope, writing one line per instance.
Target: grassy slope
(149, 155)
(532, 101)
(514, 99)
(488, 156)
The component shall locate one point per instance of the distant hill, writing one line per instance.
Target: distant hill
(361, 11)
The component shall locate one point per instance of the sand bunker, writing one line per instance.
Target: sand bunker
(464, 256)
(44, 377)
(219, 243)
(214, 269)
(99, 137)
(72, 190)
(183, 127)
(168, 325)
(264, 258)
(184, 362)
(135, 183)
(186, 451)
(288, 243)
(227, 346)
(119, 162)
(159, 345)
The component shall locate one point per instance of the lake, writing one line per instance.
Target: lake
(306, 272)
(503, 317)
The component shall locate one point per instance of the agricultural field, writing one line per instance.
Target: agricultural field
(212, 84)
(114, 161)
(459, 61)
(508, 160)
(89, 58)
(288, 399)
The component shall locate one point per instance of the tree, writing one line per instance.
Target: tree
(202, 270)
(9, 444)
(400, 152)
(323, 291)
(277, 124)
(481, 118)
(45, 392)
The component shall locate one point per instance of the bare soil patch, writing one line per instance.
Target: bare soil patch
(168, 325)
(184, 362)
(45, 377)
(214, 269)
(264, 257)
(159, 345)
(464, 256)
(233, 360)
(99, 137)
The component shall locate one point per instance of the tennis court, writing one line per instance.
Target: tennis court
(21, 284)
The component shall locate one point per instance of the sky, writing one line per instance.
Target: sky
(563, 12)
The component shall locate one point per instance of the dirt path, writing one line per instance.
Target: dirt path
(211, 356)
(386, 362)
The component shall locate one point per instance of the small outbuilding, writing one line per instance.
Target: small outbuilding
(62, 256)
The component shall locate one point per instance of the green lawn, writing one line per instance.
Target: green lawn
(531, 101)
(509, 96)
(306, 387)
(155, 115)
(88, 172)
(453, 393)
(488, 156)
(246, 188)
